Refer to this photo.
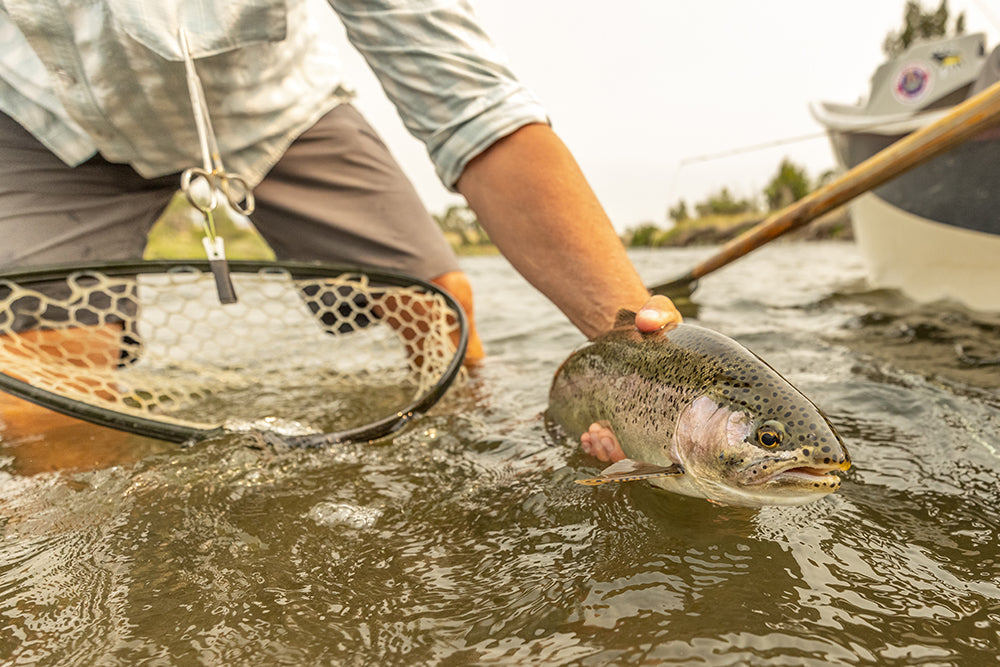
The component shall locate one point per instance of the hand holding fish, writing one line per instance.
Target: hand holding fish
(600, 442)
(657, 313)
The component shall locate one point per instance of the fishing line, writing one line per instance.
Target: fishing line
(708, 157)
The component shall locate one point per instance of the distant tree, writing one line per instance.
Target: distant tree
(679, 212)
(789, 185)
(826, 177)
(462, 221)
(921, 24)
(723, 203)
(644, 235)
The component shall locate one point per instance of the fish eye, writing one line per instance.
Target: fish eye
(769, 434)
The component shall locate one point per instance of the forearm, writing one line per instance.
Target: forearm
(536, 205)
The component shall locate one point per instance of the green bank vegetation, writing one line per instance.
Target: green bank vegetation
(920, 23)
(178, 233)
(721, 215)
(714, 220)
(462, 230)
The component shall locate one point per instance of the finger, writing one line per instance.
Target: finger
(600, 442)
(657, 313)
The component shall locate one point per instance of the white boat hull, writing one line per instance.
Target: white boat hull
(926, 260)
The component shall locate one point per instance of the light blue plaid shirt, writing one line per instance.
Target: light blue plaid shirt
(108, 76)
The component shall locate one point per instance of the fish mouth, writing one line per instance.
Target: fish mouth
(795, 473)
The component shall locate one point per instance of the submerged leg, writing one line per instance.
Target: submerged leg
(51, 213)
(39, 440)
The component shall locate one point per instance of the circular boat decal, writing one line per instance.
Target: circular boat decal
(912, 84)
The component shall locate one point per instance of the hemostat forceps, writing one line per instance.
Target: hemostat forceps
(232, 187)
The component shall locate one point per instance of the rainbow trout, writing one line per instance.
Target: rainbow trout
(696, 413)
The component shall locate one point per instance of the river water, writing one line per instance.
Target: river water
(464, 541)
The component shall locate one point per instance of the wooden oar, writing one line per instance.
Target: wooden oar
(962, 123)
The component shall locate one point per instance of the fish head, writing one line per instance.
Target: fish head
(740, 449)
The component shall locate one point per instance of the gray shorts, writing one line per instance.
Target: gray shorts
(337, 195)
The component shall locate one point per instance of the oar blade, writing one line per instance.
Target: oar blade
(677, 289)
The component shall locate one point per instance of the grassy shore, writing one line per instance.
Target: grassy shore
(715, 229)
(178, 234)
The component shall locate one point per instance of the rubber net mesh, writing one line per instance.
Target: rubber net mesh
(299, 355)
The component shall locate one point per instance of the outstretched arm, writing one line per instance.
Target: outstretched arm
(536, 205)
(538, 208)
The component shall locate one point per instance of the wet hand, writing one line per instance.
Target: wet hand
(600, 442)
(656, 313)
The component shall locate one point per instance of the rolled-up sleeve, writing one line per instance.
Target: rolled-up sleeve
(451, 85)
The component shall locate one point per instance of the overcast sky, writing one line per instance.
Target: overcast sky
(638, 87)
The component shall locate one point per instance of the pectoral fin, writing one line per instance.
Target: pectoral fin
(628, 470)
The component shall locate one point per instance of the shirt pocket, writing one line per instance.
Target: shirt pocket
(212, 27)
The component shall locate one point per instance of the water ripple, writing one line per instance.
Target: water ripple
(463, 540)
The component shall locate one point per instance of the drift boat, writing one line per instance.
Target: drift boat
(933, 232)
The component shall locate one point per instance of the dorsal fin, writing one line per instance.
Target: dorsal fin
(625, 318)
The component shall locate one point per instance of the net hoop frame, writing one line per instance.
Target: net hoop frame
(181, 433)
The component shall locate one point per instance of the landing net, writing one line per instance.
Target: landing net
(314, 353)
